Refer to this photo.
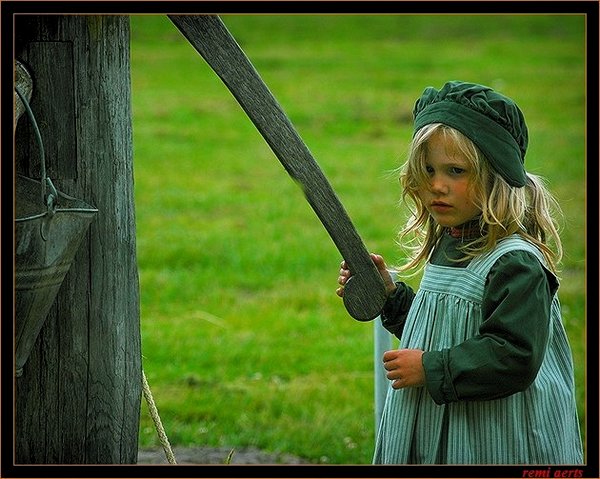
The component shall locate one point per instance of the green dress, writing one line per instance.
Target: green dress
(475, 409)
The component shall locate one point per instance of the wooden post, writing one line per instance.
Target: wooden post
(78, 400)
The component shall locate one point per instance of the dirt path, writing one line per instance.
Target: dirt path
(215, 455)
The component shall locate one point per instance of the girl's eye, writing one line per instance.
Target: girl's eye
(429, 170)
(455, 170)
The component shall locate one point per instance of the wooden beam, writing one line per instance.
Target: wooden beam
(365, 291)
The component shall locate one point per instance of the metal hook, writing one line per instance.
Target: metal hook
(46, 182)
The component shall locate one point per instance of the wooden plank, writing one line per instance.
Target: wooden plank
(365, 292)
(78, 400)
(57, 118)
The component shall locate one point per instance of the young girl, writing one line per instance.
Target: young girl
(484, 373)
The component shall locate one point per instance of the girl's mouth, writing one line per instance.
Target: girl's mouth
(440, 206)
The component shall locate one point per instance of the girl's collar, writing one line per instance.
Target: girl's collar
(468, 230)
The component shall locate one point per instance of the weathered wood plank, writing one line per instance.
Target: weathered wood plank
(57, 119)
(79, 398)
(365, 292)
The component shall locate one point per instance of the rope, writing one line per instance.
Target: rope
(164, 440)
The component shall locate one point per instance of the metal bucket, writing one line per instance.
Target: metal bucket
(49, 228)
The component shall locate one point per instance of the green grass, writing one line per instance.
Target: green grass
(243, 338)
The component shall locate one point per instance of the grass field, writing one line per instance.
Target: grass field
(244, 341)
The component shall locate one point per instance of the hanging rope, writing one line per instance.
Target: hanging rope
(164, 440)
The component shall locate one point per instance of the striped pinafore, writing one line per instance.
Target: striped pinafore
(536, 426)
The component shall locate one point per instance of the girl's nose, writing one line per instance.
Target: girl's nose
(437, 185)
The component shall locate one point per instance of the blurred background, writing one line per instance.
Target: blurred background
(244, 341)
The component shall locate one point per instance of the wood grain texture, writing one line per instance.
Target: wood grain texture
(365, 292)
(78, 401)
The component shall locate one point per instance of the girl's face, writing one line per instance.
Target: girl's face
(447, 195)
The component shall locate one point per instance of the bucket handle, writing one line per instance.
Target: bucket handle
(50, 200)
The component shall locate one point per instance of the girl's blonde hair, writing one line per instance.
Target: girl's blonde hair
(529, 211)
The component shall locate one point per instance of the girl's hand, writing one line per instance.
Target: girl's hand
(404, 367)
(345, 275)
(343, 278)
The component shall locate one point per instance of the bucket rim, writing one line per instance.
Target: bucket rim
(89, 211)
(82, 206)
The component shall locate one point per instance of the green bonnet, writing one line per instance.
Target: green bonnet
(492, 121)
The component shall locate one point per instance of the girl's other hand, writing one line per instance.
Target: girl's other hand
(404, 367)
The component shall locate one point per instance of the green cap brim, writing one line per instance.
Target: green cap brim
(495, 142)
